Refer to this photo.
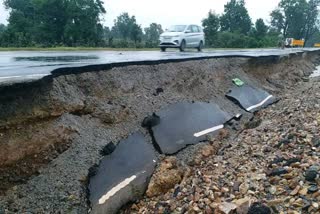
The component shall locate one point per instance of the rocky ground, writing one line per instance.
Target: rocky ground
(52, 135)
(271, 167)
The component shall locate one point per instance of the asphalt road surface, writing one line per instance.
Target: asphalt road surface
(20, 66)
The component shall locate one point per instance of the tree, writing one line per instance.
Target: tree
(211, 26)
(55, 22)
(311, 26)
(2, 28)
(152, 34)
(296, 18)
(236, 17)
(315, 38)
(294, 11)
(126, 28)
(107, 36)
(136, 33)
(278, 22)
(261, 29)
(83, 24)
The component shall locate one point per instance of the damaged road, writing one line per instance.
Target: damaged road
(92, 109)
(25, 66)
(272, 168)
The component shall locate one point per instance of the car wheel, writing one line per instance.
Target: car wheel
(163, 49)
(200, 46)
(183, 46)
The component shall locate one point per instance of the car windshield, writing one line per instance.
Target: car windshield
(177, 28)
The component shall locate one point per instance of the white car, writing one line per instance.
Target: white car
(182, 37)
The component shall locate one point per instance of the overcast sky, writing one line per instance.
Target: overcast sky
(168, 12)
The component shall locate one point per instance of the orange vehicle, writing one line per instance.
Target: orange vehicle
(291, 43)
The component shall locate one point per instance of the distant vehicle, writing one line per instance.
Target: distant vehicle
(182, 37)
(291, 43)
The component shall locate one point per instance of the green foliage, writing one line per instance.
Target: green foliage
(234, 29)
(236, 17)
(312, 22)
(315, 38)
(296, 18)
(231, 40)
(54, 22)
(152, 34)
(237, 40)
(59, 23)
(2, 32)
(261, 29)
(211, 26)
(2, 28)
(127, 29)
(278, 22)
(294, 13)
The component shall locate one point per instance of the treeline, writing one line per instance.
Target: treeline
(52, 23)
(296, 19)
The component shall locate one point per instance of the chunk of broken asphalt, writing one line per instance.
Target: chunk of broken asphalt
(176, 191)
(311, 175)
(292, 161)
(316, 142)
(277, 160)
(123, 175)
(283, 142)
(277, 172)
(313, 189)
(259, 208)
(151, 121)
(158, 91)
(185, 123)
(92, 171)
(250, 98)
(108, 149)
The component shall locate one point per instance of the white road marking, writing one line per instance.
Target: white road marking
(207, 131)
(117, 188)
(259, 104)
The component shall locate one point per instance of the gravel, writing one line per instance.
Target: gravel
(256, 174)
(107, 106)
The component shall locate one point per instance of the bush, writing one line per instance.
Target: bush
(122, 43)
(238, 40)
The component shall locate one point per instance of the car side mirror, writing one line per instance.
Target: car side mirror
(188, 31)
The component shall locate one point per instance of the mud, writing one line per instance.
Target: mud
(57, 126)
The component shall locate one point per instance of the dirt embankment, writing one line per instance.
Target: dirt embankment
(51, 130)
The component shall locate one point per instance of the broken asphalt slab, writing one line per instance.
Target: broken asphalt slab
(184, 124)
(250, 98)
(123, 175)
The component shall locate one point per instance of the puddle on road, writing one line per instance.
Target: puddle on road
(56, 58)
(316, 73)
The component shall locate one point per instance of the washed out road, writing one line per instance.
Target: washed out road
(20, 66)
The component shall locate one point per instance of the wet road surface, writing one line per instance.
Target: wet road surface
(20, 66)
